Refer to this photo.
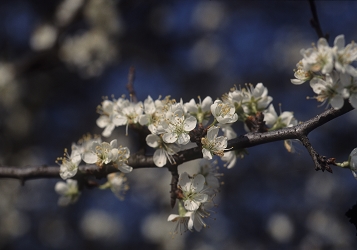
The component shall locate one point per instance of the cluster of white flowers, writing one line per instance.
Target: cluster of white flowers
(172, 124)
(196, 195)
(169, 122)
(171, 127)
(93, 49)
(93, 151)
(331, 71)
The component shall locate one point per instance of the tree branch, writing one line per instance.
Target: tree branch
(137, 161)
(314, 21)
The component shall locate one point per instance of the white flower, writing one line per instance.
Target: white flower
(213, 145)
(196, 219)
(255, 98)
(353, 162)
(224, 112)
(102, 153)
(68, 191)
(301, 75)
(85, 144)
(209, 171)
(108, 119)
(181, 219)
(181, 222)
(150, 117)
(234, 97)
(201, 110)
(177, 127)
(69, 165)
(350, 90)
(122, 160)
(344, 56)
(118, 184)
(129, 113)
(318, 59)
(276, 122)
(105, 153)
(193, 191)
(329, 90)
(231, 158)
(164, 151)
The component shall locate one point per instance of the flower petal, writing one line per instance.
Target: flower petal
(160, 157)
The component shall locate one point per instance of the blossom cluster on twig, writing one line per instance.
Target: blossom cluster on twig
(331, 71)
(172, 126)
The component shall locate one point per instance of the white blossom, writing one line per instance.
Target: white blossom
(181, 222)
(89, 51)
(105, 153)
(129, 113)
(164, 151)
(301, 75)
(213, 145)
(102, 153)
(318, 58)
(108, 119)
(43, 37)
(122, 160)
(329, 89)
(224, 112)
(350, 90)
(177, 127)
(69, 165)
(275, 122)
(193, 191)
(209, 171)
(200, 110)
(69, 192)
(181, 219)
(149, 111)
(196, 219)
(154, 114)
(84, 145)
(255, 98)
(344, 56)
(234, 97)
(230, 157)
(118, 184)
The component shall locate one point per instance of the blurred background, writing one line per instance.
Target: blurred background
(59, 58)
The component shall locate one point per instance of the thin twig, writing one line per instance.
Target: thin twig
(314, 21)
(130, 84)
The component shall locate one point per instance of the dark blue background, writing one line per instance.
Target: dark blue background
(255, 41)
